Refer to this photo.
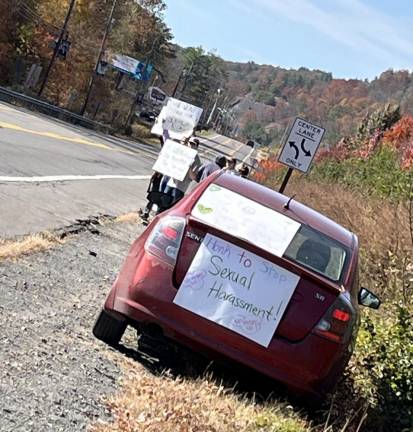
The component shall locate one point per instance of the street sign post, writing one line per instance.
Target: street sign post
(300, 147)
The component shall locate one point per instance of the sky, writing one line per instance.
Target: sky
(349, 38)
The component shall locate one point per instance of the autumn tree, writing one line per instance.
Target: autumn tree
(205, 74)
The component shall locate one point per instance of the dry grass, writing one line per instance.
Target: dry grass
(129, 218)
(379, 225)
(141, 131)
(12, 250)
(161, 403)
(383, 229)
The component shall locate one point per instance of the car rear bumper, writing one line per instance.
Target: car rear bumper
(307, 366)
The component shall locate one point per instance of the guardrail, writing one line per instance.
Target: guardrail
(16, 98)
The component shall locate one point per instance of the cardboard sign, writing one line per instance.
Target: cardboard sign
(237, 289)
(174, 160)
(178, 118)
(246, 219)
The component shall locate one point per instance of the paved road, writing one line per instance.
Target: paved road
(218, 144)
(52, 173)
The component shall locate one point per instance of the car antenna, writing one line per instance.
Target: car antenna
(287, 204)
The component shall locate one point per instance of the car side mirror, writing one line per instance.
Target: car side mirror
(368, 299)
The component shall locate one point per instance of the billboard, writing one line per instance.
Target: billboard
(132, 67)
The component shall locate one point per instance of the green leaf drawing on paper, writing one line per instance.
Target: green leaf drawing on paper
(214, 188)
(204, 210)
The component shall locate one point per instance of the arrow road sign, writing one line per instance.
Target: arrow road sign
(301, 145)
(297, 151)
(306, 152)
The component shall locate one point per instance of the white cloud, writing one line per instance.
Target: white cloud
(349, 22)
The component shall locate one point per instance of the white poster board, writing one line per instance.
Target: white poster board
(246, 219)
(174, 160)
(237, 289)
(178, 118)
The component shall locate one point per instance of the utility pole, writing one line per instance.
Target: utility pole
(57, 47)
(178, 82)
(214, 107)
(184, 73)
(101, 51)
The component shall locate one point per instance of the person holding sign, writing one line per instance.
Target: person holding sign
(156, 186)
(177, 188)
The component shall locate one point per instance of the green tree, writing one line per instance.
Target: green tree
(256, 132)
(206, 73)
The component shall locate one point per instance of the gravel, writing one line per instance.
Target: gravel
(54, 375)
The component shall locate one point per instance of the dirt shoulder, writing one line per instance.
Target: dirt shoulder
(54, 373)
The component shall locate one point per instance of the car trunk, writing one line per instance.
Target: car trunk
(311, 299)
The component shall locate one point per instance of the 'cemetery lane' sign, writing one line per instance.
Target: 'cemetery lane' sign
(174, 160)
(301, 145)
(237, 289)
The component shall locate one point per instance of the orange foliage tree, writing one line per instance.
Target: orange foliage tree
(400, 138)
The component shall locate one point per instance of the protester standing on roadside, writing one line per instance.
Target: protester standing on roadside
(209, 167)
(231, 166)
(244, 171)
(177, 189)
(155, 184)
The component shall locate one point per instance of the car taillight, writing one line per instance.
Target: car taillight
(337, 323)
(165, 239)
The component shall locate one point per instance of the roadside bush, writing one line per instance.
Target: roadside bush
(382, 369)
(141, 131)
(380, 174)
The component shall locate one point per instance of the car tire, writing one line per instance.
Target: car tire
(109, 329)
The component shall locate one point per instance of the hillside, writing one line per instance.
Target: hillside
(261, 99)
(264, 99)
(272, 97)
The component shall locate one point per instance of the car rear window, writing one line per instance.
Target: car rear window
(246, 219)
(278, 234)
(318, 252)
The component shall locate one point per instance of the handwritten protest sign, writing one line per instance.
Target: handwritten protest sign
(246, 219)
(174, 160)
(237, 289)
(179, 118)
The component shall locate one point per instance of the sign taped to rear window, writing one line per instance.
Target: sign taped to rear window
(246, 219)
(237, 289)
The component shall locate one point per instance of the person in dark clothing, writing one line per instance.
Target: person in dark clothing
(153, 188)
(209, 167)
(244, 171)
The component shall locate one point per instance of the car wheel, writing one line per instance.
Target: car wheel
(108, 329)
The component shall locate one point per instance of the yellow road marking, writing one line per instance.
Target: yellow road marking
(62, 138)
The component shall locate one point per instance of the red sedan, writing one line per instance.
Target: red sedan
(240, 272)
